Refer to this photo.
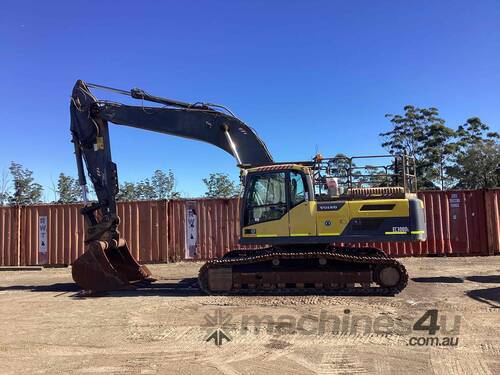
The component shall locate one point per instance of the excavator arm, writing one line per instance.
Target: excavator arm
(89, 128)
(90, 136)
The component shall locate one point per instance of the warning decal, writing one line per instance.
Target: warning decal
(42, 234)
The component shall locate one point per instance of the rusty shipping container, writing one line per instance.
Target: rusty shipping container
(9, 236)
(51, 234)
(54, 234)
(144, 225)
(458, 223)
(204, 228)
(492, 207)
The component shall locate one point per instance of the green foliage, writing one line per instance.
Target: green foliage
(340, 166)
(478, 167)
(127, 192)
(164, 185)
(4, 188)
(465, 158)
(421, 133)
(26, 191)
(68, 189)
(160, 186)
(477, 158)
(474, 131)
(408, 130)
(219, 185)
(376, 176)
(145, 190)
(438, 150)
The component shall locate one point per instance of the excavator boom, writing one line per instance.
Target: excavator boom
(107, 262)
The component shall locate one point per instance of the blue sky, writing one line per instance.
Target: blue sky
(306, 75)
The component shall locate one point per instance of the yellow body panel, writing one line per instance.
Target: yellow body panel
(401, 208)
(332, 223)
(306, 220)
(302, 219)
(272, 228)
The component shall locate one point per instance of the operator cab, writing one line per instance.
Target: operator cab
(271, 193)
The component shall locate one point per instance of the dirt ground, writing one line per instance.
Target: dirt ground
(47, 327)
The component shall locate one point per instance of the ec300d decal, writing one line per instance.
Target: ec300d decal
(400, 229)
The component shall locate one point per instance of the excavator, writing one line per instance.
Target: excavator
(311, 219)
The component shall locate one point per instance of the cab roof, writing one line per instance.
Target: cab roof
(279, 167)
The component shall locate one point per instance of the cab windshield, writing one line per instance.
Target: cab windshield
(267, 198)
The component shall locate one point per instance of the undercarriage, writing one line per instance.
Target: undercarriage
(291, 270)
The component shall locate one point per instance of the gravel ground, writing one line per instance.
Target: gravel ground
(48, 327)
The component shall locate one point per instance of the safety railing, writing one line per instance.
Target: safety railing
(342, 175)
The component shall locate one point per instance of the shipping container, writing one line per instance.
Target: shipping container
(9, 236)
(54, 234)
(204, 228)
(492, 208)
(144, 225)
(465, 222)
(51, 234)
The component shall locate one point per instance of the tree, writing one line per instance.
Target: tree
(437, 150)
(145, 190)
(219, 185)
(340, 166)
(163, 185)
(127, 192)
(408, 130)
(68, 189)
(474, 131)
(376, 176)
(420, 133)
(476, 162)
(343, 168)
(26, 191)
(4, 188)
(160, 186)
(478, 167)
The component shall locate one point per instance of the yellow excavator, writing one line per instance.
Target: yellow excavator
(309, 217)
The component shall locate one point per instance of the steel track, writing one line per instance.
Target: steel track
(377, 259)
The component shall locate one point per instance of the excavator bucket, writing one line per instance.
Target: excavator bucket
(104, 267)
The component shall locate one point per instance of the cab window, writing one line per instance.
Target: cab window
(297, 189)
(267, 198)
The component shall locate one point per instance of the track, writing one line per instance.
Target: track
(339, 271)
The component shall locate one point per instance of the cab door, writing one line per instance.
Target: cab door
(266, 211)
(302, 213)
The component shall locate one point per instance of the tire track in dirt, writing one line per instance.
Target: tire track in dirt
(463, 364)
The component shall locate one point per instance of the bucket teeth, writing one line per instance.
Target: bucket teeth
(106, 266)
